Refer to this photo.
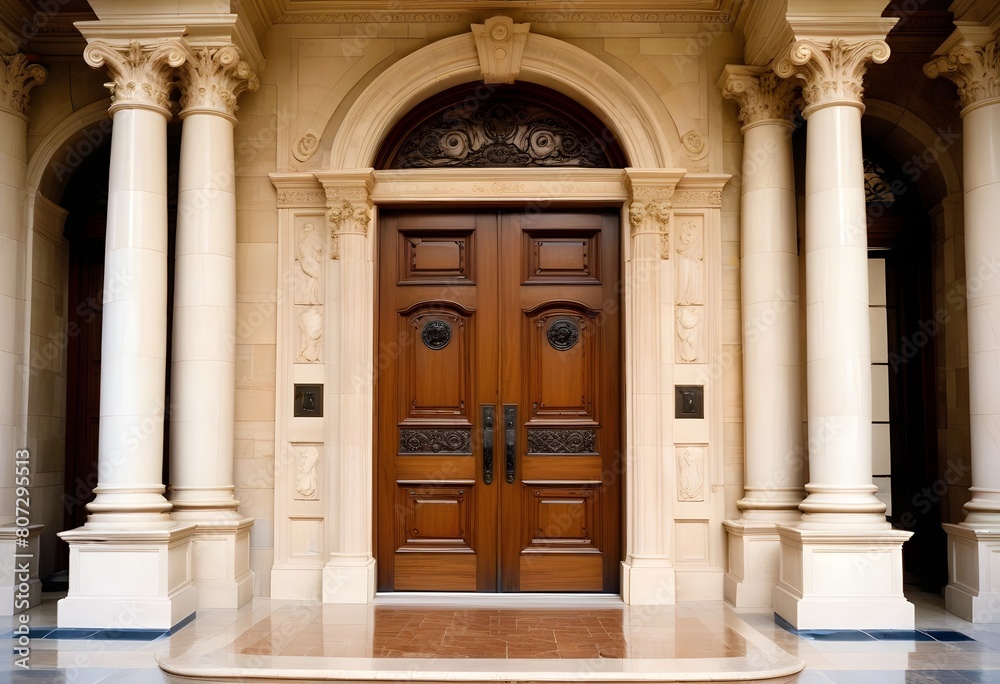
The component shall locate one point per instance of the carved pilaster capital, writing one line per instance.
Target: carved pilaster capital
(975, 69)
(348, 212)
(500, 44)
(17, 78)
(762, 96)
(649, 212)
(142, 75)
(832, 73)
(213, 79)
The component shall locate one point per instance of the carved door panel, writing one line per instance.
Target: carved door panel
(498, 402)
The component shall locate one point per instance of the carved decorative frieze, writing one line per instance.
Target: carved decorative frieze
(500, 43)
(435, 441)
(214, 78)
(762, 97)
(368, 18)
(142, 75)
(18, 77)
(698, 198)
(301, 198)
(974, 69)
(832, 72)
(561, 441)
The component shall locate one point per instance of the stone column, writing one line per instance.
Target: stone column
(841, 566)
(971, 58)
(648, 576)
(772, 402)
(349, 574)
(203, 365)
(129, 523)
(18, 78)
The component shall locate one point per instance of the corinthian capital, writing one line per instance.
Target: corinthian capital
(974, 69)
(142, 75)
(17, 78)
(832, 73)
(761, 96)
(214, 78)
(347, 212)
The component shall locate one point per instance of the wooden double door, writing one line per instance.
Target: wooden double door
(499, 406)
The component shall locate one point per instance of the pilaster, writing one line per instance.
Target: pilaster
(971, 58)
(648, 575)
(349, 573)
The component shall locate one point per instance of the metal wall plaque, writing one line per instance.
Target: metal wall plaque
(689, 401)
(308, 402)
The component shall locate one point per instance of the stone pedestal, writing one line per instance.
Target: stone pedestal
(973, 591)
(20, 587)
(220, 566)
(851, 580)
(128, 579)
(754, 551)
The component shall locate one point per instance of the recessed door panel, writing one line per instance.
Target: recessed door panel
(498, 426)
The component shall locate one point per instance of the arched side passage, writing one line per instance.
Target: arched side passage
(64, 148)
(547, 61)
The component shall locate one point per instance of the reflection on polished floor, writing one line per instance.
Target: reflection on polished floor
(440, 638)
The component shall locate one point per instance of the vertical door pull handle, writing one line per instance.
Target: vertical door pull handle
(510, 439)
(489, 420)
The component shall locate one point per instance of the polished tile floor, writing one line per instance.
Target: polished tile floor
(539, 639)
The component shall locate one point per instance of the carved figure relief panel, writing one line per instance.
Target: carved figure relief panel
(690, 261)
(307, 459)
(309, 240)
(689, 334)
(690, 472)
(309, 333)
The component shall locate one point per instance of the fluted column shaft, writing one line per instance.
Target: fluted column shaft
(838, 356)
(19, 77)
(133, 353)
(769, 265)
(203, 365)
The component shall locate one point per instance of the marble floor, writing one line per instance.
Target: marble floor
(540, 638)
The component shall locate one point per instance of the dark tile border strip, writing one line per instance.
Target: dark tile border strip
(872, 634)
(103, 634)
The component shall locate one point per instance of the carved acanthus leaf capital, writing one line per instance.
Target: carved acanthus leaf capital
(142, 75)
(500, 44)
(648, 215)
(974, 69)
(214, 78)
(348, 211)
(17, 79)
(833, 72)
(762, 97)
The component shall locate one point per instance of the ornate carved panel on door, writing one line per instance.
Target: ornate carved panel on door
(498, 381)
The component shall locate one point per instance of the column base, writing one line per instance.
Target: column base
(754, 552)
(220, 565)
(842, 580)
(296, 582)
(650, 584)
(349, 581)
(973, 591)
(128, 579)
(20, 587)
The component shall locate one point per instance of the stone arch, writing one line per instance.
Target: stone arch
(917, 146)
(47, 172)
(623, 107)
